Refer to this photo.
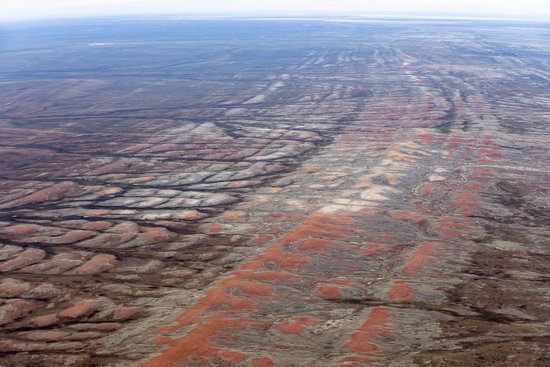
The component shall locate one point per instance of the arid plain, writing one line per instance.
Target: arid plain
(275, 193)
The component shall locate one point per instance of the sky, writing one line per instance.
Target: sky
(16, 10)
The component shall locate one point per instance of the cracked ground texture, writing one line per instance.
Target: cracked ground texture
(261, 193)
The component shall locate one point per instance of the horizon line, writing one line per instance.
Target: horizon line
(274, 16)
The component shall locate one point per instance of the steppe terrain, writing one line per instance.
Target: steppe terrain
(275, 193)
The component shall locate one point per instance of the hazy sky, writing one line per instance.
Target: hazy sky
(32, 9)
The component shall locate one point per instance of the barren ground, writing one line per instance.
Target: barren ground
(255, 193)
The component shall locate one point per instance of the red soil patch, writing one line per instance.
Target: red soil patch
(329, 292)
(362, 182)
(409, 216)
(315, 245)
(274, 231)
(491, 153)
(25, 258)
(43, 321)
(341, 281)
(127, 313)
(240, 304)
(488, 140)
(74, 236)
(312, 168)
(196, 345)
(303, 232)
(472, 186)
(155, 235)
(320, 226)
(96, 212)
(48, 336)
(455, 141)
(452, 182)
(21, 229)
(256, 289)
(12, 290)
(278, 257)
(426, 189)
(14, 309)
(97, 264)
(233, 215)
(363, 340)
(262, 362)
(240, 184)
(521, 255)
(400, 291)
(81, 309)
(419, 257)
(213, 227)
(295, 325)
(107, 326)
(465, 203)
(425, 139)
(261, 239)
(450, 227)
(481, 173)
(55, 192)
(374, 249)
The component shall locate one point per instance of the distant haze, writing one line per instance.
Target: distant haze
(14, 10)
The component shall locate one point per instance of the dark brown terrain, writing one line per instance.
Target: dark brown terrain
(275, 193)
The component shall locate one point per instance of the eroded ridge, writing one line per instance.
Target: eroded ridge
(373, 195)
